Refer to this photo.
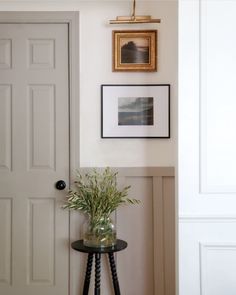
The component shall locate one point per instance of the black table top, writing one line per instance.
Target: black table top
(79, 246)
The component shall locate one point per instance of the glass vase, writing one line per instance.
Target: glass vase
(99, 232)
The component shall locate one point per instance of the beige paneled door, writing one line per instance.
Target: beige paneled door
(34, 155)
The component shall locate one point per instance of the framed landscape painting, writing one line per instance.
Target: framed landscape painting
(135, 50)
(135, 111)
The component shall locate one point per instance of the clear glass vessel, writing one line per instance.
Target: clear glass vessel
(99, 232)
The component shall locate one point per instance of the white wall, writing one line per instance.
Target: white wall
(95, 69)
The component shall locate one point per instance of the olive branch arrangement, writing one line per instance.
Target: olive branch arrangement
(96, 194)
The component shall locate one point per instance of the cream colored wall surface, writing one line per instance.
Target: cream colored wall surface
(96, 69)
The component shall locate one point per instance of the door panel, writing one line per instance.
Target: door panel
(207, 143)
(5, 127)
(34, 154)
(41, 104)
(5, 241)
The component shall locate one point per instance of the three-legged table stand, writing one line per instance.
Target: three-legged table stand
(79, 246)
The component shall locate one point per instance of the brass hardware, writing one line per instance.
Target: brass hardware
(134, 19)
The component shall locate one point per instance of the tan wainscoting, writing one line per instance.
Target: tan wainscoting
(147, 266)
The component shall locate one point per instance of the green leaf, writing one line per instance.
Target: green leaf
(96, 194)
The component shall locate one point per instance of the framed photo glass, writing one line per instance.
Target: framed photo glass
(135, 111)
(135, 50)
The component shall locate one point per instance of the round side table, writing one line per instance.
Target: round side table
(79, 246)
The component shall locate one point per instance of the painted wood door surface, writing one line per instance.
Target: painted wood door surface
(34, 155)
(207, 145)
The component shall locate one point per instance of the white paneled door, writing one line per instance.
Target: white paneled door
(34, 155)
(207, 145)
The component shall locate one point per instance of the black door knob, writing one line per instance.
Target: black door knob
(60, 185)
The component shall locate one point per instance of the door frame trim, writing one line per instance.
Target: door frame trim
(71, 18)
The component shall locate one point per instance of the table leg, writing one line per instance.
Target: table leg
(97, 273)
(114, 274)
(88, 274)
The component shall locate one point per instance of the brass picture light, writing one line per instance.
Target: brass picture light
(134, 19)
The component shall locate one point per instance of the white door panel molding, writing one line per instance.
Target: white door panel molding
(207, 144)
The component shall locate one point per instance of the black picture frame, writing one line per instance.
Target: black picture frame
(135, 111)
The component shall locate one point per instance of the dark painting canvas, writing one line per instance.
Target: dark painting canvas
(135, 50)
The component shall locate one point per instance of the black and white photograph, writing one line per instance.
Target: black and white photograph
(135, 111)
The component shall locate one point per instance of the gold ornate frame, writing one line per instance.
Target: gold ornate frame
(128, 60)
